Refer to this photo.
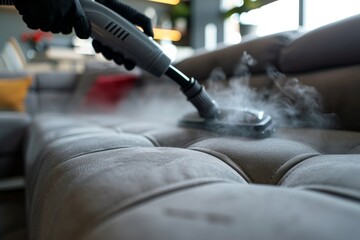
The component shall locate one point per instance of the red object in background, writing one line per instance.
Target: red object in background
(35, 36)
(108, 90)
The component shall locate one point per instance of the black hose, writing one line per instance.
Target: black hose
(195, 93)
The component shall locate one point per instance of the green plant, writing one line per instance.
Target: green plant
(246, 6)
(181, 10)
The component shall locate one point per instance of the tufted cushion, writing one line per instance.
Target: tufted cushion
(110, 178)
(235, 211)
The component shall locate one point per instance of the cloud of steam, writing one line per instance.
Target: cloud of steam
(161, 102)
(289, 102)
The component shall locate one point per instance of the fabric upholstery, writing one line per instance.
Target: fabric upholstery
(265, 51)
(48, 92)
(102, 177)
(13, 134)
(307, 52)
(235, 211)
(12, 138)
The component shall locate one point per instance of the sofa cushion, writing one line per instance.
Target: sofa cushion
(332, 174)
(235, 211)
(136, 181)
(333, 45)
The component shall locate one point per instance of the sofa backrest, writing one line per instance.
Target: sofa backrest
(66, 92)
(51, 92)
(331, 46)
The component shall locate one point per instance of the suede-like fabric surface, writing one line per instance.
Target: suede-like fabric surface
(310, 48)
(110, 178)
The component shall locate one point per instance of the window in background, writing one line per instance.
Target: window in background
(279, 16)
(320, 12)
(231, 24)
(282, 15)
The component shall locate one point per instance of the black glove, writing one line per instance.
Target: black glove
(54, 16)
(131, 15)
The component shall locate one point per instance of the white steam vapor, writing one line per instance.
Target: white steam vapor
(161, 102)
(289, 102)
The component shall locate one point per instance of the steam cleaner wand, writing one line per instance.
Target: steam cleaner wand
(114, 31)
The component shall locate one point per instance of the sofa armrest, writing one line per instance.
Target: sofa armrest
(12, 131)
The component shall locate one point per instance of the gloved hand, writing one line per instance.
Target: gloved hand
(131, 15)
(62, 15)
(54, 16)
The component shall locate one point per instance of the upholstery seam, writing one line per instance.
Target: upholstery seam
(186, 145)
(153, 140)
(331, 190)
(194, 141)
(303, 157)
(307, 144)
(353, 151)
(46, 144)
(292, 169)
(44, 151)
(227, 160)
(71, 158)
(150, 196)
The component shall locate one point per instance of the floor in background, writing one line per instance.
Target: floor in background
(12, 215)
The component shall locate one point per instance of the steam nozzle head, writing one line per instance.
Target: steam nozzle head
(206, 106)
(240, 122)
(231, 121)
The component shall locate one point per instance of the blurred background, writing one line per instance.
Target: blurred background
(181, 27)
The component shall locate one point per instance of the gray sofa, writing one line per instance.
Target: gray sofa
(48, 92)
(127, 176)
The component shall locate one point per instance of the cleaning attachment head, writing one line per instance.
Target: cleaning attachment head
(225, 121)
(234, 122)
